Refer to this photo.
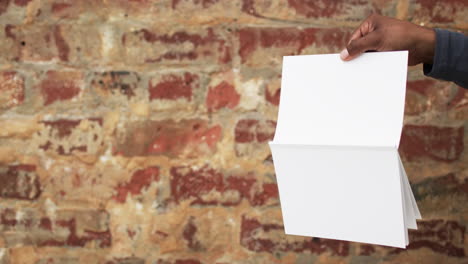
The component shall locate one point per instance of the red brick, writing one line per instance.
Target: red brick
(178, 261)
(200, 46)
(273, 97)
(252, 130)
(331, 11)
(64, 9)
(70, 228)
(11, 89)
(442, 236)
(425, 95)
(437, 143)
(127, 260)
(22, 2)
(207, 186)
(5, 3)
(439, 12)
(186, 138)
(67, 43)
(115, 83)
(434, 187)
(58, 260)
(267, 46)
(222, 95)
(189, 234)
(4, 6)
(9, 50)
(40, 43)
(19, 182)
(264, 237)
(60, 86)
(203, 3)
(141, 179)
(202, 12)
(64, 136)
(173, 86)
(459, 104)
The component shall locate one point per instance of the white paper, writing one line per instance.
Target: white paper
(335, 150)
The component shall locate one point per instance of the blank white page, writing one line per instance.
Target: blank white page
(346, 193)
(325, 101)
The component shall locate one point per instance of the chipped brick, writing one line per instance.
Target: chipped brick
(264, 237)
(186, 138)
(173, 86)
(207, 186)
(60, 86)
(19, 182)
(140, 180)
(437, 143)
(204, 46)
(11, 90)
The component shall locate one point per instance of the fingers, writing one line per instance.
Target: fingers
(370, 41)
(363, 30)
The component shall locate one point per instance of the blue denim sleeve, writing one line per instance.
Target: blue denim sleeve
(450, 58)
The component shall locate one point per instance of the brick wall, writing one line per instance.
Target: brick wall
(135, 131)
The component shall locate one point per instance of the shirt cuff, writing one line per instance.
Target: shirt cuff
(439, 64)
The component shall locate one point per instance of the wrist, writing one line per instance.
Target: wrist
(427, 41)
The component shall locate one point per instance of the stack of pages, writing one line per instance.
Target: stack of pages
(335, 150)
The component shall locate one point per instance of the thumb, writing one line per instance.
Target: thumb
(370, 41)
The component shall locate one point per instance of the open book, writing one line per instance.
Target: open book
(335, 150)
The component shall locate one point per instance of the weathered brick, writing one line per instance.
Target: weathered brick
(9, 50)
(19, 182)
(207, 186)
(426, 95)
(189, 46)
(11, 89)
(186, 138)
(140, 180)
(39, 43)
(262, 47)
(436, 12)
(21, 2)
(448, 184)
(58, 260)
(66, 136)
(251, 137)
(270, 237)
(74, 180)
(459, 104)
(273, 91)
(115, 83)
(66, 43)
(253, 130)
(324, 11)
(69, 9)
(70, 228)
(4, 4)
(175, 11)
(178, 261)
(60, 86)
(437, 143)
(173, 86)
(190, 233)
(222, 92)
(441, 236)
(127, 260)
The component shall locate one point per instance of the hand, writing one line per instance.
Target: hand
(379, 33)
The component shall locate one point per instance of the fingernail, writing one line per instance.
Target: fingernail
(344, 54)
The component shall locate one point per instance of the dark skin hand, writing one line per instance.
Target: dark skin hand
(380, 33)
